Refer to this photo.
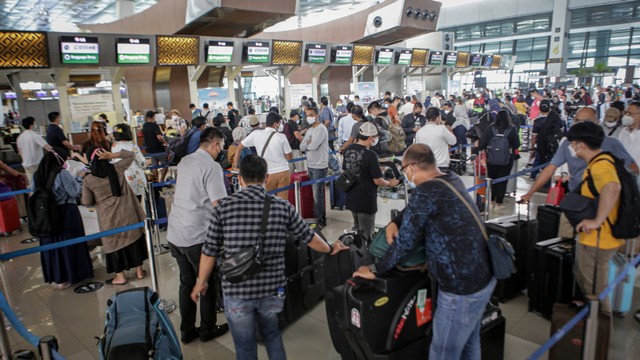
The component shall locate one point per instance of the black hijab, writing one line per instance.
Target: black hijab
(104, 169)
(49, 167)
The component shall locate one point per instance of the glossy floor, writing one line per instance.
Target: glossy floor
(76, 319)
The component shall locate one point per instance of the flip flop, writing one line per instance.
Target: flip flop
(110, 282)
(144, 275)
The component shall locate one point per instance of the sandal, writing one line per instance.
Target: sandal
(110, 282)
(144, 275)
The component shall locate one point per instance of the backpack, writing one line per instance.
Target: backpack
(398, 139)
(42, 210)
(177, 148)
(137, 327)
(627, 225)
(288, 132)
(236, 118)
(498, 150)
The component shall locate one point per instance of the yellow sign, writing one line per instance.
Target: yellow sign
(383, 300)
(556, 50)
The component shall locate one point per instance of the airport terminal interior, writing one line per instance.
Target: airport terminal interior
(514, 99)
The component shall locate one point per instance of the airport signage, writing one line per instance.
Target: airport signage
(435, 58)
(220, 52)
(79, 50)
(405, 57)
(343, 55)
(385, 56)
(258, 52)
(451, 58)
(133, 51)
(316, 53)
(476, 60)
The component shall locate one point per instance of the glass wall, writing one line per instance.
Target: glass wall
(503, 28)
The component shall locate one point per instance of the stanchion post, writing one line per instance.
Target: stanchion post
(487, 199)
(296, 191)
(5, 348)
(159, 250)
(591, 330)
(406, 193)
(46, 346)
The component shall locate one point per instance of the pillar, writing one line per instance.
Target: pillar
(194, 73)
(116, 77)
(62, 76)
(559, 48)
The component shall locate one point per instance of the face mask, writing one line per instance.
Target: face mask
(447, 112)
(311, 120)
(412, 185)
(280, 127)
(174, 117)
(417, 114)
(610, 124)
(339, 104)
(627, 120)
(375, 141)
(572, 152)
(386, 106)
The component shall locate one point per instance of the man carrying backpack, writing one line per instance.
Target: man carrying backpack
(292, 132)
(546, 135)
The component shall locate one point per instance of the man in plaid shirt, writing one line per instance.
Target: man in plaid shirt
(235, 224)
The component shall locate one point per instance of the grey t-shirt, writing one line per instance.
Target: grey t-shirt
(577, 165)
(200, 182)
(317, 150)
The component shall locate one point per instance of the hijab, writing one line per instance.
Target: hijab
(50, 166)
(104, 169)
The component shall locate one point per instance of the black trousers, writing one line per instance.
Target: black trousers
(498, 171)
(188, 259)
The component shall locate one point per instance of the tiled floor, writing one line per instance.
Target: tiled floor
(77, 319)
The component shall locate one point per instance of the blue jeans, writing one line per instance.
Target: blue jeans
(319, 206)
(242, 316)
(456, 325)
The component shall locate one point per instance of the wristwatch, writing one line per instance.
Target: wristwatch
(330, 248)
(373, 269)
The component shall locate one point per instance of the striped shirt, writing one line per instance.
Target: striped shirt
(235, 224)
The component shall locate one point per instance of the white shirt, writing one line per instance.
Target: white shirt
(31, 145)
(438, 137)
(405, 109)
(276, 151)
(344, 127)
(631, 142)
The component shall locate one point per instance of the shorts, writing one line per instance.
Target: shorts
(158, 160)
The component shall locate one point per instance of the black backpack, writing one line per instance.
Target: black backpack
(627, 225)
(42, 210)
(177, 148)
(499, 150)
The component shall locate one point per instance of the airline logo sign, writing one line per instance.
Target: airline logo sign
(343, 55)
(220, 52)
(317, 53)
(257, 52)
(405, 57)
(385, 56)
(133, 51)
(79, 50)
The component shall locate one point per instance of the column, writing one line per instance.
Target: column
(559, 48)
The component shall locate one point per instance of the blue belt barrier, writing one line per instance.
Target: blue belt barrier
(507, 178)
(284, 188)
(460, 146)
(15, 166)
(14, 193)
(156, 154)
(154, 167)
(559, 334)
(161, 221)
(163, 184)
(78, 240)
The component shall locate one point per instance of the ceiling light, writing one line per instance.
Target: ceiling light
(409, 11)
(433, 16)
(418, 13)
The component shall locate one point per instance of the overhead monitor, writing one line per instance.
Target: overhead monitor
(10, 95)
(463, 59)
(342, 54)
(435, 58)
(403, 57)
(219, 52)
(315, 53)
(476, 60)
(487, 60)
(384, 56)
(257, 52)
(41, 93)
(79, 50)
(133, 51)
(497, 60)
(451, 58)
(54, 92)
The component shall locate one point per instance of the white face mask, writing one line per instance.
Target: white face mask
(572, 152)
(627, 120)
(447, 112)
(280, 127)
(311, 120)
(610, 124)
(375, 141)
(174, 117)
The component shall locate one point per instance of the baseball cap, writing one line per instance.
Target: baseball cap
(611, 115)
(545, 105)
(254, 121)
(368, 129)
(293, 113)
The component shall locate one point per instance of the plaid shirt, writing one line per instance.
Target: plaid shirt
(235, 224)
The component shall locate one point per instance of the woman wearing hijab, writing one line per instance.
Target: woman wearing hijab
(71, 264)
(135, 173)
(97, 139)
(116, 204)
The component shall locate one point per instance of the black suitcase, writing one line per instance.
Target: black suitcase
(570, 345)
(492, 333)
(548, 222)
(337, 198)
(521, 233)
(552, 279)
(379, 317)
(337, 270)
(304, 269)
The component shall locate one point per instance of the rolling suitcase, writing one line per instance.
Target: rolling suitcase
(551, 275)
(306, 195)
(337, 198)
(304, 269)
(9, 216)
(548, 222)
(388, 317)
(521, 234)
(570, 346)
(492, 333)
(621, 297)
(338, 269)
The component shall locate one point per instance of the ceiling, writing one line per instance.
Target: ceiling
(59, 15)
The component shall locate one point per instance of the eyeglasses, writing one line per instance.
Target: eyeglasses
(407, 165)
(630, 113)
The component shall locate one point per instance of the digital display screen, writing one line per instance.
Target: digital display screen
(10, 95)
(41, 93)
(435, 58)
(384, 56)
(133, 51)
(220, 52)
(451, 58)
(79, 50)
(405, 57)
(487, 61)
(476, 60)
(258, 52)
(463, 59)
(343, 55)
(54, 92)
(316, 53)
(497, 60)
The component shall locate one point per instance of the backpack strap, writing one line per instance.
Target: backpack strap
(267, 144)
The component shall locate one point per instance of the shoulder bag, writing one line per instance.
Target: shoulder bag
(264, 149)
(247, 262)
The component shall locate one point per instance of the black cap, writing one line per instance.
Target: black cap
(294, 113)
(545, 106)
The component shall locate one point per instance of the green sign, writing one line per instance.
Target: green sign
(343, 55)
(385, 56)
(133, 51)
(435, 58)
(451, 58)
(220, 52)
(316, 53)
(405, 57)
(257, 52)
(79, 50)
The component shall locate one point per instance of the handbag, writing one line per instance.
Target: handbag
(500, 250)
(577, 208)
(346, 181)
(555, 195)
(379, 247)
(247, 262)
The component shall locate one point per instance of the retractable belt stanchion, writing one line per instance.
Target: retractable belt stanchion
(46, 346)
(487, 199)
(158, 248)
(298, 201)
(5, 348)
(169, 305)
(591, 329)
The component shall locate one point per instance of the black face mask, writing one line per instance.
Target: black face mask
(417, 114)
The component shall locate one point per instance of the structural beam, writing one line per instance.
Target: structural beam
(316, 72)
(285, 101)
(116, 78)
(377, 71)
(232, 73)
(62, 76)
(357, 71)
(194, 73)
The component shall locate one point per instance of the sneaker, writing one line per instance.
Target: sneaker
(219, 330)
(190, 336)
(498, 207)
(529, 179)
